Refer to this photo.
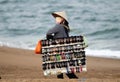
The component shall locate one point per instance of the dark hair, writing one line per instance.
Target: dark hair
(66, 25)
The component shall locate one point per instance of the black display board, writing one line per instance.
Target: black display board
(63, 55)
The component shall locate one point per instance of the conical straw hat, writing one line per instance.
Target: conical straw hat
(60, 14)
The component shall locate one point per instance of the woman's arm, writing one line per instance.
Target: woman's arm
(52, 32)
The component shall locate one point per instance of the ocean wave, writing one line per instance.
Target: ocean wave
(24, 22)
(16, 32)
(107, 31)
(11, 1)
(106, 53)
(18, 44)
(21, 31)
(94, 19)
(3, 1)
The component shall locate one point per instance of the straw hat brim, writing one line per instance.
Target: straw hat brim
(60, 14)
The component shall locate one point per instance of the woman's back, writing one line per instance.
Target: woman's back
(58, 31)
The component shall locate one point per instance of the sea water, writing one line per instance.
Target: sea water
(24, 22)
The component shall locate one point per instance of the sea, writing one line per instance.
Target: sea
(24, 22)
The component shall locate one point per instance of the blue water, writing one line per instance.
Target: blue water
(24, 22)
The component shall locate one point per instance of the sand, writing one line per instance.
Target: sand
(23, 65)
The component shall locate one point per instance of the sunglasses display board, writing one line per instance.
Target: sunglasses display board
(63, 55)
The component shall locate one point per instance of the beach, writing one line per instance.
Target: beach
(24, 22)
(24, 65)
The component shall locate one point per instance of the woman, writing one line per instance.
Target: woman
(60, 30)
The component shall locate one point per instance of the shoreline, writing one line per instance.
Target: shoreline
(85, 50)
(18, 63)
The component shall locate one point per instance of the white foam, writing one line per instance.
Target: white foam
(89, 52)
(14, 44)
(103, 53)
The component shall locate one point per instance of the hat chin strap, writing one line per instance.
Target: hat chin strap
(66, 27)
